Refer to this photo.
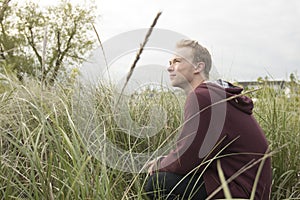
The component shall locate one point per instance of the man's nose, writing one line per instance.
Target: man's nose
(170, 68)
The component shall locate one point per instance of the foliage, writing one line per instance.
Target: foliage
(45, 42)
(278, 114)
(43, 156)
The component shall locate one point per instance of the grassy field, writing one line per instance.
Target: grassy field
(45, 153)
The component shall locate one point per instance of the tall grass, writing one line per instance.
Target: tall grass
(44, 155)
(279, 115)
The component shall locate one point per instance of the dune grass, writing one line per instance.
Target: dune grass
(45, 156)
(279, 115)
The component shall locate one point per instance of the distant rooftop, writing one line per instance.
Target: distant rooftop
(276, 83)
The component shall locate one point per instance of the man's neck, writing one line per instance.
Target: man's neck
(193, 85)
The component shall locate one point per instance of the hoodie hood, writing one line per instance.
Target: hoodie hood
(241, 102)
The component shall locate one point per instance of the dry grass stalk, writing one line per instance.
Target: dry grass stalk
(99, 40)
(140, 51)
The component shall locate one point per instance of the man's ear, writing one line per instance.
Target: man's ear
(199, 67)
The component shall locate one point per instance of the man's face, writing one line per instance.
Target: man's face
(181, 69)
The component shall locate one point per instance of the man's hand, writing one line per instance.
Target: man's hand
(152, 165)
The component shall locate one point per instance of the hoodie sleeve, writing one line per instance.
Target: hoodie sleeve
(185, 157)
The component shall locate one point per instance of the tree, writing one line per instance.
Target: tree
(7, 40)
(49, 39)
(293, 78)
(4, 46)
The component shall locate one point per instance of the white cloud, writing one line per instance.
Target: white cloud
(247, 38)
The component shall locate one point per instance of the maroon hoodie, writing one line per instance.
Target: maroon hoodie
(223, 131)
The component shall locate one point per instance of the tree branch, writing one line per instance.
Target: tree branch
(62, 54)
(3, 9)
(2, 12)
(32, 44)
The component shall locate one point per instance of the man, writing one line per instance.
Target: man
(219, 136)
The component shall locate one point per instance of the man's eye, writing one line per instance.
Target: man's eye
(174, 61)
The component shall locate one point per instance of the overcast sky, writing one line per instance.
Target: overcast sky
(247, 38)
